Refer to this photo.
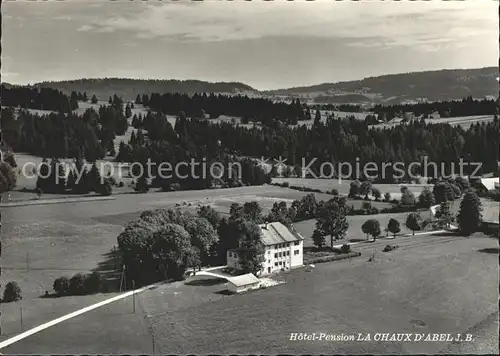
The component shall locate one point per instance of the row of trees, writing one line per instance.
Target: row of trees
(348, 141)
(332, 221)
(79, 284)
(92, 135)
(185, 142)
(200, 105)
(53, 178)
(63, 134)
(37, 98)
(465, 107)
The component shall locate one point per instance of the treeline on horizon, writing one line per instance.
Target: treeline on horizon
(116, 85)
(348, 140)
(213, 105)
(199, 105)
(454, 108)
(37, 98)
(62, 135)
(338, 140)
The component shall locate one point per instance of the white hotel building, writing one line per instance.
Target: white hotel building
(283, 249)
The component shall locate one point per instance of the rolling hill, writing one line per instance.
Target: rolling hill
(398, 88)
(129, 88)
(386, 89)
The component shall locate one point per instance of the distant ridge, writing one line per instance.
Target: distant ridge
(129, 88)
(438, 85)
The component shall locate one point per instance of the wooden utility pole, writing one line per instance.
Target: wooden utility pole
(123, 282)
(153, 338)
(133, 295)
(21, 312)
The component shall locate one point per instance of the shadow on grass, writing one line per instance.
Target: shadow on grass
(52, 295)
(110, 270)
(492, 250)
(446, 233)
(313, 249)
(205, 282)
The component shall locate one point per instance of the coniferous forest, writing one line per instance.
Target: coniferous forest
(194, 136)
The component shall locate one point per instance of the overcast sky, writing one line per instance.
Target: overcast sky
(263, 44)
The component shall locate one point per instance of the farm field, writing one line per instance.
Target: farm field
(407, 290)
(354, 233)
(27, 180)
(43, 242)
(464, 121)
(343, 186)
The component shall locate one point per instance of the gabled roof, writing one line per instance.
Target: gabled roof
(277, 233)
(490, 183)
(243, 280)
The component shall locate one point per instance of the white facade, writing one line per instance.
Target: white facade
(283, 250)
(239, 289)
(283, 256)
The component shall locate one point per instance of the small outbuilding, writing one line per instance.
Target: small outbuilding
(242, 283)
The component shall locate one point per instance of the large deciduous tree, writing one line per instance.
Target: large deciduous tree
(331, 220)
(371, 227)
(393, 227)
(414, 222)
(252, 249)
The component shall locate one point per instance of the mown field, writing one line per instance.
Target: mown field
(43, 242)
(343, 185)
(354, 233)
(443, 287)
(397, 293)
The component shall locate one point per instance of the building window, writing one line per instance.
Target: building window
(275, 255)
(288, 253)
(296, 252)
(230, 254)
(281, 263)
(276, 264)
(269, 261)
(297, 243)
(280, 254)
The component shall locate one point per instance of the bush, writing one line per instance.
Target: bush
(121, 184)
(285, 184)
(345, 248)
(77, 284)
(334, 192)
(93, 282)
(389, 248)
(105, 189)
(61, 286)
(11, 293)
